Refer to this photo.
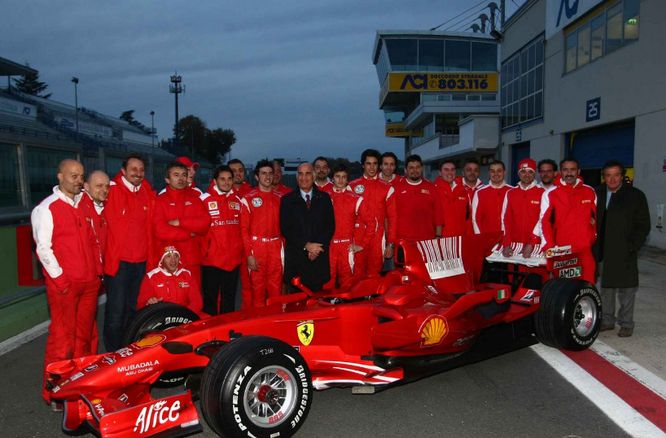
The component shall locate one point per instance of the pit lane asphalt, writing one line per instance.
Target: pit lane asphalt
(514, 395)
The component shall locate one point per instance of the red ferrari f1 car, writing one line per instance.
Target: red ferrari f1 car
(254, 371)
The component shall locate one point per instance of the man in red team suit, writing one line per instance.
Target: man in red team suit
(66, 248)
(417, 203)
(128, 213)
(569, 216)
(350, 237)
(171, 283)
(321, 170)
(389, 167)
(262, 242)
(223, 245)
(241, 188)
(454, 204)
(382, 210)
(521, 209)
(278, 187)
(470, 181)
(488, 200)
(180, 218)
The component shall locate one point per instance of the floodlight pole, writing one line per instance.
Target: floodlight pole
(152, 128)
(75, 80)
(176, 88)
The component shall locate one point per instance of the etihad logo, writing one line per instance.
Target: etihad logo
(155, 415)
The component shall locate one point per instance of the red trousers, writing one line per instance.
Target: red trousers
(341, 261)
(266, 281)
(72, 330)
(369, 262)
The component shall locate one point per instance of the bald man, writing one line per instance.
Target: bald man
(66, 249)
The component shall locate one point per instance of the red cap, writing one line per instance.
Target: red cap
(187, 162)
(528, 164)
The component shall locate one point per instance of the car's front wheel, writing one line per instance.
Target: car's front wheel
(256, 386)
(569, 315)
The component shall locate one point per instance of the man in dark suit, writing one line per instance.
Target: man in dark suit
(623, 223)
(307, 223)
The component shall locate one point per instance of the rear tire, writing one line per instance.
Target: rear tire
(569, 316)
(256, 386)
(157, 317)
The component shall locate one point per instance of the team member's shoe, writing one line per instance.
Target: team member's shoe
(57, 406)
(607, 326)
(625, 332)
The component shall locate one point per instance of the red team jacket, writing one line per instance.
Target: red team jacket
(185, 206)
(99, 229)
(260, 217)
(128, 215)
(487, 209)
(223, 243)
(520, 213)
(380, 202)
(179, 288)
(420, 210)
(65, 244)
(568, 217)
(351, 216)
(455, 208)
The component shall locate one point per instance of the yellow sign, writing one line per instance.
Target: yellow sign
(432, 330)
(305, 332)
(399, 130)
(443, 82)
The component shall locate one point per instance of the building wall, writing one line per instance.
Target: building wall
(630, 83)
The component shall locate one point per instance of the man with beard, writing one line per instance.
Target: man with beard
(280, 188)
(128, 213)
(569, 216)
(389, 166)
(241, 187)
(321, 171)
(547, 172)
(417, 204)
(67, 251)
(470, 181)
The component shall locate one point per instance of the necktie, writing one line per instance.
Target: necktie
(307, 201)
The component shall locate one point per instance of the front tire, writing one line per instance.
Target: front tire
(569, 316)
(256, 386)
(160, 316)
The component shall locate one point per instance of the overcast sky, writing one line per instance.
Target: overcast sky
(291, 78)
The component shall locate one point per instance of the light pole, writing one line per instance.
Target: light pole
(152, 128)
(176, 88)
(75, 80)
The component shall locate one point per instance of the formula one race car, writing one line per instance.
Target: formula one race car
(254, 371)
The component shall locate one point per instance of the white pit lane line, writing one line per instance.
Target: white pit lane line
(626, 417)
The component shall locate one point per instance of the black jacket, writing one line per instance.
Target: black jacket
(299, 226)
(621, 231)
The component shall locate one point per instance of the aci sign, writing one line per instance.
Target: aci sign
(559, 13)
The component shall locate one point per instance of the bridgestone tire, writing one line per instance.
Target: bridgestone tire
(569, 316)
(156, 317)
(256, 386)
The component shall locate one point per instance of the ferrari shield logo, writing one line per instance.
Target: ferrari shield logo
(212, 205)
(305, 332)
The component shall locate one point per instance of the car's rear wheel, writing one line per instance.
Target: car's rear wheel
(569, 315)
(256, 386)
(159, 316)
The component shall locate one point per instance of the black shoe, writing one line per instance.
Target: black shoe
(607, 326)
(625, 332)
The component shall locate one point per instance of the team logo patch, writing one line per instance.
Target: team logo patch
(212, 205)
(182, 284)
(305, 332)
(432, 330)
(256, 202)
(150, 341)
(359, 189)
(574, 272)
(425, 191)
(564, 263)
(234, 205)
